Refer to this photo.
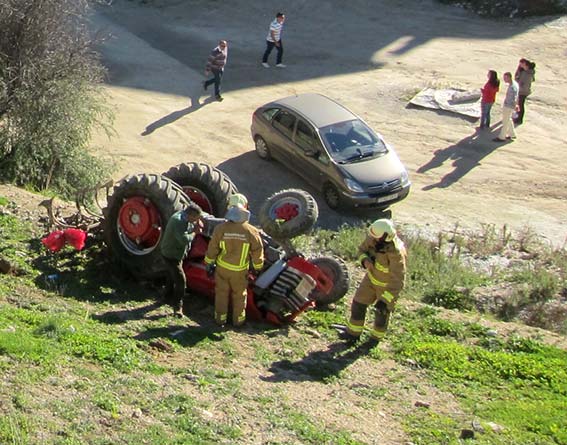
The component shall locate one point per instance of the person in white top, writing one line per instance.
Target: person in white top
(274, 38)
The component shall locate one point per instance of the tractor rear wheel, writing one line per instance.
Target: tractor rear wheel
(205, 185)
(337, 271)
(135, 219)
(288, 213)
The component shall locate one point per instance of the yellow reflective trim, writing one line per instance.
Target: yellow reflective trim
(234, 267)
(354, 327)
(381, 268)
(258, 266)
(376, 282)
(377, 334)
(362, 257)
(244, 254)
(221, 317)
(209, 260)
(222, 253)
(387, 296)
(242, 317)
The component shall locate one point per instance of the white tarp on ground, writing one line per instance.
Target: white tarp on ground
(462, 102)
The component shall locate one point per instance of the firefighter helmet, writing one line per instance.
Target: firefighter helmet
(238, 200)
(380, 227)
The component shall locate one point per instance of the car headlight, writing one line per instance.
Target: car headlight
(353, 186)
(404, 178)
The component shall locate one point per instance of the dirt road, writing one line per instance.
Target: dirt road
(372, 57)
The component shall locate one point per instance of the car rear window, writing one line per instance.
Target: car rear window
(269, 113)
(284, 122)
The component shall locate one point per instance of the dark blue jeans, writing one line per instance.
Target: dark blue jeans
(485, 114)
(269, 48)
(216, 80)
(522, 108)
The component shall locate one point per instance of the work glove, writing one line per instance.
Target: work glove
(211, 269)
(253, 274)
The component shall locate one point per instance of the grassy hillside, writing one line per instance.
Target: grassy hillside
(88, 357)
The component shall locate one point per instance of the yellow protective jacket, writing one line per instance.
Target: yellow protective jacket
(233, 245)
(388, 260)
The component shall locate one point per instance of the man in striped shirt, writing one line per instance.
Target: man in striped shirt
(274, 38)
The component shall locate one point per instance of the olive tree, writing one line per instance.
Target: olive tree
(50, 95)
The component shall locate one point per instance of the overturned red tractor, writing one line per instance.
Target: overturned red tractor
(138, 210)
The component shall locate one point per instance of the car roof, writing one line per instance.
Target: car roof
(318, 109)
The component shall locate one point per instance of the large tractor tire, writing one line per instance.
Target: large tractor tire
(205, 185)
(288, 213)
(337, 271)
(135, 219)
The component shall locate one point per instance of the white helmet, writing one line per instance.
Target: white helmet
(380, 227)
(238, 200)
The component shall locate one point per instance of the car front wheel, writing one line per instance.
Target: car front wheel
(332, 196)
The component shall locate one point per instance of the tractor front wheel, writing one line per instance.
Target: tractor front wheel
(288, 213)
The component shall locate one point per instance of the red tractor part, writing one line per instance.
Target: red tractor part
(287, 211)
(199, 198)
(140, 221)
(324, 283)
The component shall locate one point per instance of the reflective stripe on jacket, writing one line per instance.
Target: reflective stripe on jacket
(233, 245)
(388, 260)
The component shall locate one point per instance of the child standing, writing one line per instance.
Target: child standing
(489, 91)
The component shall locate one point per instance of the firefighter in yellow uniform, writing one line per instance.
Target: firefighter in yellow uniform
(234, 244)
(383, 255)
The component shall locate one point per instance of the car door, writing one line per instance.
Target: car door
(308, 157)
(283, 125)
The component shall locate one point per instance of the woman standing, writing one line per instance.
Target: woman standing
(489, 91)
(525, 75)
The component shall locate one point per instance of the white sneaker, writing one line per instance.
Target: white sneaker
(265, 65)
(280, 65)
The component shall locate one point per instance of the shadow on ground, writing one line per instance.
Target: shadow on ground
(464, 156)
(258, 179)
(88, 275)
(176, 115)
(365, 29)
(318, 365)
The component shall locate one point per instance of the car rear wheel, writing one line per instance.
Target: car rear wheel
(262, 149)
(288, 213)
(332, 196)
(337, 271)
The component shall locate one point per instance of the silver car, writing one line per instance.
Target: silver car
(332, 149)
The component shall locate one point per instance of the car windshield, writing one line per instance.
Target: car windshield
(352, 141)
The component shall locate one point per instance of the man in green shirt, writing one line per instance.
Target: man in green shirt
(174, 245)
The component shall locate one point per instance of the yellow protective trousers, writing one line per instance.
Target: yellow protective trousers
(367, 294)
(230, 288)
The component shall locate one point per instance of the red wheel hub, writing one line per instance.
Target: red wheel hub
(199, 198)
(287, 211)
(140, 220)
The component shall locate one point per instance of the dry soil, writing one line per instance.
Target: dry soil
(372, 56)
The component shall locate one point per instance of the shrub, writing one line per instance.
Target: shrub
(50, 99)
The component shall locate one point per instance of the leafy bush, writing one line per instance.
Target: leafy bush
(50, 98)
(432, 272)
(449, 298)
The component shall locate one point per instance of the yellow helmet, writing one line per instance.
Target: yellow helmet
(238, 200)
(380, 227)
